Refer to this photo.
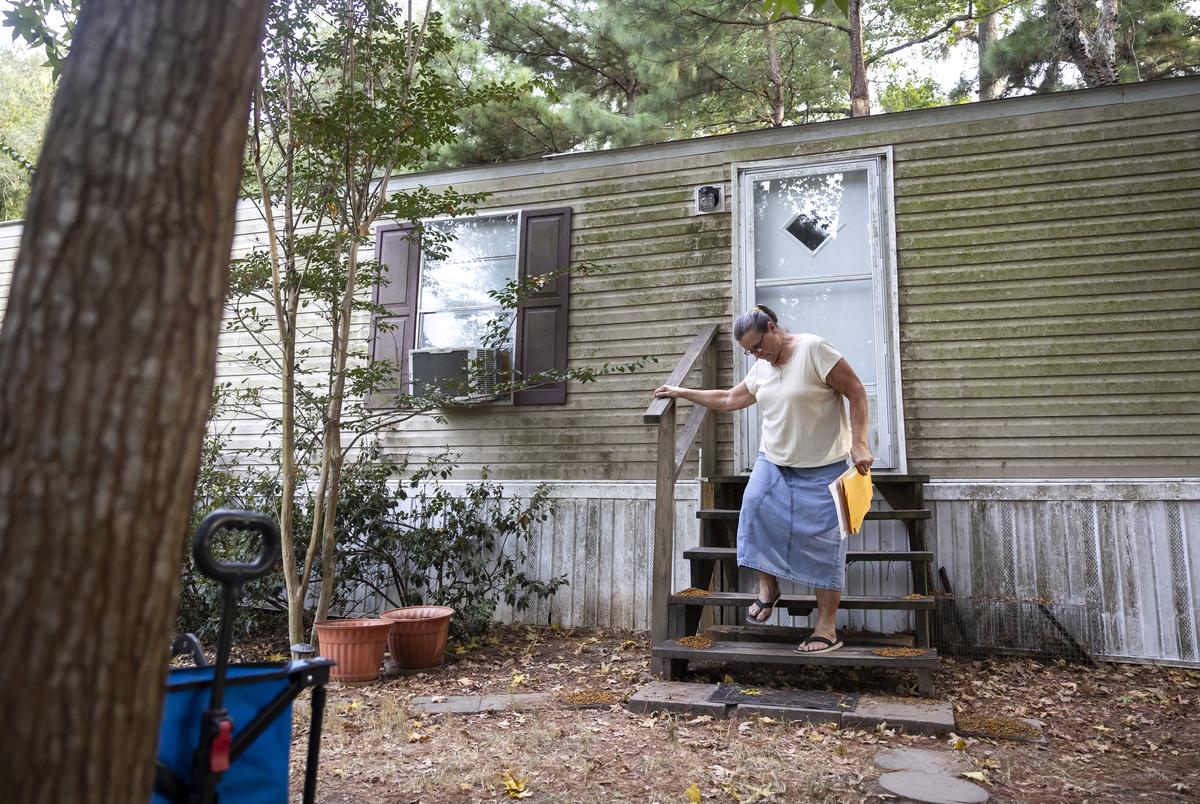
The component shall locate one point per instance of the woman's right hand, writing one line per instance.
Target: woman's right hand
(669, 390)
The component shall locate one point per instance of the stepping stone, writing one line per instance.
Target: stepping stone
(474, 704)
(914, 716)
(932, 788)
(677, 696)
(920, 759)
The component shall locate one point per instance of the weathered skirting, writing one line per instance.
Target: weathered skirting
(1128, 552)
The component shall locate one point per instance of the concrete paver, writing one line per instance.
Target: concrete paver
(932, 788)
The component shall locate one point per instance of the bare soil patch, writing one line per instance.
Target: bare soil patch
(1120, 733)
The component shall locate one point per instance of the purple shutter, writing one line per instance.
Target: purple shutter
(542, 319)
(401, 259)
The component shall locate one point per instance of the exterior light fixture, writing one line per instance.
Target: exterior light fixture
(709, 198)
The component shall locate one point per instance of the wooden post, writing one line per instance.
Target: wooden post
(664, 526)
(708, 432)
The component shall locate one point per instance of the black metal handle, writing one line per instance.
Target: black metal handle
(188, 645)
(238, 572)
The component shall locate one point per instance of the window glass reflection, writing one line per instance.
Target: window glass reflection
(480, 257)
(812, 225)
(457, 329)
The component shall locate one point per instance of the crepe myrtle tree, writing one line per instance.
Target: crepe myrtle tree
(349, 95)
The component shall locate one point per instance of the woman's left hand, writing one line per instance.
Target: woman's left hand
(862, 459)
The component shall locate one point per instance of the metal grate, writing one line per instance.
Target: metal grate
(973, 627)
(799, 699)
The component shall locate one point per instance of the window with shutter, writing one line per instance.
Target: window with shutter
(443, 302)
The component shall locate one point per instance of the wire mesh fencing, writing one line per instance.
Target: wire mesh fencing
(975, 628)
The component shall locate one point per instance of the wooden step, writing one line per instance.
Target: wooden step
(902, 514)
(794, 636)
(730, 554)
(804, 601)
(876, 479)
(776, 653)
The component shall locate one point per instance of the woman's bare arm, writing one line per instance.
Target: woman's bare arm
(842, 379)
(735, 398)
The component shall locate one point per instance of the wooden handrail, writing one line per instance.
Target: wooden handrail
(695, 421)
(672, 455)
(683, 368)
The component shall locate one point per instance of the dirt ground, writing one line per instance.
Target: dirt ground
(1119, 733)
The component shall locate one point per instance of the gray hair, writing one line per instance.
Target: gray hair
(757, 320)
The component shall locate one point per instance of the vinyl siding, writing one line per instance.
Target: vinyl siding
(1049, 297)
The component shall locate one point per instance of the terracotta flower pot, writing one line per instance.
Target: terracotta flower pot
(417, 640)
(356, 645)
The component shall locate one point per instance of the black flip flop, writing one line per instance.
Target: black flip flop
(763, 605)
(830, 646)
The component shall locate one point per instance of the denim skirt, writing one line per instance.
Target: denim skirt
(788, 524)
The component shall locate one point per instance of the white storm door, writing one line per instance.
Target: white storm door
(813, 247)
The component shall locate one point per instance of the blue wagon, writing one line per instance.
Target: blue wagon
(226, 729)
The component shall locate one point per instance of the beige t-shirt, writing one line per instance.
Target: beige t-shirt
(804, 421)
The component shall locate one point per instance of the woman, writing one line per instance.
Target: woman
(788, 523)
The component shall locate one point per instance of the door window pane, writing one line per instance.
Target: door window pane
(840, 312)
(812, 225)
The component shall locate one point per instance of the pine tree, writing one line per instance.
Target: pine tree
(1151, 39)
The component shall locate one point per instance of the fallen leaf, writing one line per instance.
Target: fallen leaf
(514, 785)
(978, 776)
(693, 793)
(518, 679)
(418, 737)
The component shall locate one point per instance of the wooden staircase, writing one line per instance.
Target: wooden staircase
(715, 559)
(713, 563)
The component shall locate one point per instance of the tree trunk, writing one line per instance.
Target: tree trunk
(1095, 56)
(107, 358)
(1105, 42)
(332, 441)
(860, 95)
(988, 32)
(777, 111)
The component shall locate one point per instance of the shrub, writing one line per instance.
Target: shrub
(401, 535)
(431, 546)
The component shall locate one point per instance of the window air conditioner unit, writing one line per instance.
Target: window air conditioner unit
(470, 375)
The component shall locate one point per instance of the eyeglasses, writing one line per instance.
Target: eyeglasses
(753, 350)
